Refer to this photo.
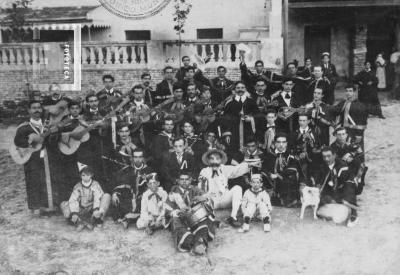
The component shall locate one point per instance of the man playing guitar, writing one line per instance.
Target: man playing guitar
(31, 134)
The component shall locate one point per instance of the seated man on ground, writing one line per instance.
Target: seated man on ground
(337, 183)
(213, 180)
(191, 231)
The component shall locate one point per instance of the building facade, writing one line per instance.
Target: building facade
(353, 31)
(125, 47)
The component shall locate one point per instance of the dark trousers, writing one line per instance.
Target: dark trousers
(347, 193)
(185, 237)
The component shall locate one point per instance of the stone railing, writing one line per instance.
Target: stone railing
(131, 54)
(22, 55)
(222, 52)
(126, 54)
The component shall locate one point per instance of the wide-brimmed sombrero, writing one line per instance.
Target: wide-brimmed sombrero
(207, 154)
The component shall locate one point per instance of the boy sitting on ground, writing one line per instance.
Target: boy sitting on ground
(256, 201)
(88, 204)
(152, 213)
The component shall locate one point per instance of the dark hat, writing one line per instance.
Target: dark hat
(207, 154)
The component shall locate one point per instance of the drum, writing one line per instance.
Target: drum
(199, 213)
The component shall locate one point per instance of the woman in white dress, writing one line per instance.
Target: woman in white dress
(381, 71)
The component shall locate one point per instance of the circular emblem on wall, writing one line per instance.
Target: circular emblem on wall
(134, 9)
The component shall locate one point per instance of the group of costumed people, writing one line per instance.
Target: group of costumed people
(169, 157)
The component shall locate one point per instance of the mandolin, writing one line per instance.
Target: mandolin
(286, 112)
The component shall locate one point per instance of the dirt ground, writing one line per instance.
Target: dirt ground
(49, 246)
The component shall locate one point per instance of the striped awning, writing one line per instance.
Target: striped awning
(58, 26)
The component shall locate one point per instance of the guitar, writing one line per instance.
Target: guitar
(22, 155)
(71, 141)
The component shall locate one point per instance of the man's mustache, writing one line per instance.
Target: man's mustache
(214, 164)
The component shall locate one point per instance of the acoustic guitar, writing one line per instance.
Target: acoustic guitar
(71, 141)
(22, 155)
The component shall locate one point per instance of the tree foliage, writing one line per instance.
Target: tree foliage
(16, 14)
(182, 9)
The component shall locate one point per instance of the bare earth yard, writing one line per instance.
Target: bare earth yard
(49, 246)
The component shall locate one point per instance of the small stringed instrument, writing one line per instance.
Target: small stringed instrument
(286, 112)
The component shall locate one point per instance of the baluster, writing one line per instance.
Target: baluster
(108, 55)
(12, 56)
(92, 55)
(203, 51)
(142, 54)
(4, 56)
(101, 57)
(212, 52)
(34, 56)
(124, 55)
(19, 56)
(84, 56)
(27, 58)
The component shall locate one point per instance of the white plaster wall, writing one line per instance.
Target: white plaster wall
(231, 15)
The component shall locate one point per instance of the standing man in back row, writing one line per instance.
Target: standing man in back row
(165, 89)
(329, 71)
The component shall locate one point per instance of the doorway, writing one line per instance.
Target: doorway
(317, 39)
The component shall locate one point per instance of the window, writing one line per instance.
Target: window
(137, 35)
(209, 33)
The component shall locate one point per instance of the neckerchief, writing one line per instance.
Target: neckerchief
(155, 194)
(256, 192)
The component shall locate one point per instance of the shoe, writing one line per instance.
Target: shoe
(149, 231)
(267, 227)
(80, 227)
(125, 224)
(99, 225)
(233, 222)
(245, 228)
(89, 226)
(217, 223)
(199, 248)
(382, 117)
(352, 222)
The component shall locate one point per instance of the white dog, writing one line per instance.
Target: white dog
(309, 196)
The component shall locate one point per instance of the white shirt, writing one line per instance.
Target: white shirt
(37, 124)
(331, 166)
(240, 98)
(287, 100)
(139, 104)
(218, 185)
(305, 130)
